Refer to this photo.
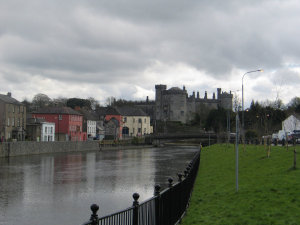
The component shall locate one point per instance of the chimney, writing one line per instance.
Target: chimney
(9, 94)
(214, 95)
(183, 88)
(205, 96)
(198, 94)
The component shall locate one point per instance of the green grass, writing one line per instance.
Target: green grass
(269, 189)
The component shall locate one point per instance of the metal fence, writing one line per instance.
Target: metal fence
(166, 207)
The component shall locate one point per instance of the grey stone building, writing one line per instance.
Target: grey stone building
(12, 118)
(174, 104)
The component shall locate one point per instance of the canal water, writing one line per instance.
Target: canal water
(59, 188)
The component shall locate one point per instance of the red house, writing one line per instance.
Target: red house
(68, 122)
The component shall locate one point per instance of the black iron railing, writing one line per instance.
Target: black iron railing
(164, 208)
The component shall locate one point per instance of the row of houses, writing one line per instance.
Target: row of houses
(67, 124)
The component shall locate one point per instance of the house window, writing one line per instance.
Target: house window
(13, 122)
(125, 119)
(45, 129)
(18, 122)
(133, 130)
(13, 108)
(133, 121)
(145, 120)
(182, 113)
(51, 130)
(139, 130)
(140, 120)
(8, 122)
(144, 130)
(59, 117)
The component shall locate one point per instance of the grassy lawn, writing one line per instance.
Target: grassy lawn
(269, 189)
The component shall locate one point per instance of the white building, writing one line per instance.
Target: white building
(291, 123)
(47, 131)
(91, 128)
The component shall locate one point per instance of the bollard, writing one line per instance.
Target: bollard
(157, 200)
(94, 216)
(135, 216)
(295, 159)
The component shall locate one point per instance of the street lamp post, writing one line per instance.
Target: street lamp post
(253, 71)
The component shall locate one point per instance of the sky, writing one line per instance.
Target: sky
(103, 48)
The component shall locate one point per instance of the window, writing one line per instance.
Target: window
(45, 129)
(140, 120)
(144, 130)
(13, 108)
(133, 121)
(18, 122)
(145, 120)
(182, 113)
(133, 130)
(8, 124)
(13, 122)
(125, 119)
(51, 130)
(59, 117)
(139, 130)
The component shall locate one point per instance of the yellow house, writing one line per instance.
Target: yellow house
(135, 122)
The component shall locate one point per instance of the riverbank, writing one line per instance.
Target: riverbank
(12, 149)
(268, 187)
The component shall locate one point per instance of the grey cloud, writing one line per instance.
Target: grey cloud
(108, 41)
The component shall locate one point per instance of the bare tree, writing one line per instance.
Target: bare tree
(110, 101)
(41, 100)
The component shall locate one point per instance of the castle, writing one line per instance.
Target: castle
(174, 104)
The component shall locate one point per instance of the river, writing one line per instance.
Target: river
(59, 188)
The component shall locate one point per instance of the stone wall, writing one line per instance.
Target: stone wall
(8, 149)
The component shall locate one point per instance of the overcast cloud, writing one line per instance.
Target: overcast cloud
(123, 48)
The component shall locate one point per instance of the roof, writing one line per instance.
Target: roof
(131, 111)
(9, 99)
(175, 90)
(112, 111)
(57, 110)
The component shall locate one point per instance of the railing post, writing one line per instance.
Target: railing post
(135, 209)
(94, 217)
(157, 204)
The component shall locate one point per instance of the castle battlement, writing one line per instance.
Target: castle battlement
(174, 104)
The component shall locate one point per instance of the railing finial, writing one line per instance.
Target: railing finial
(135, 197)
(94, 216)
(170, 180)
(157, 190)
(179, 176)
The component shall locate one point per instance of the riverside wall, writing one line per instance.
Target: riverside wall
(10, 149)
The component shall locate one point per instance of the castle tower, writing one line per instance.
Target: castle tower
(159, 101)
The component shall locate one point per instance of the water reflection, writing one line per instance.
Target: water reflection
(59, 188)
